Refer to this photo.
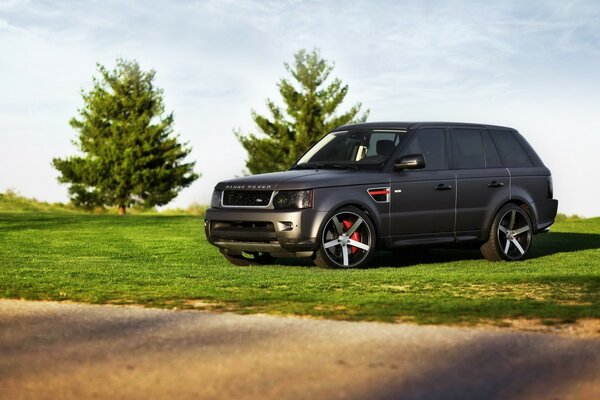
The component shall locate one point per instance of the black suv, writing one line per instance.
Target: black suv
(391, 185)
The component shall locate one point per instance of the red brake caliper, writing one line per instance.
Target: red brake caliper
(354, 236)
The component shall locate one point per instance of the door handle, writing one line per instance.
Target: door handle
(494, 184)
(441, 186)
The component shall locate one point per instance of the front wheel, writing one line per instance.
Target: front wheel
(510, 235)
(347, 240)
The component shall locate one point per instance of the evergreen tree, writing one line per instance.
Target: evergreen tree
(310, 102)
(130, 155)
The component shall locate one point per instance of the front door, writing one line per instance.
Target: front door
(423, 201)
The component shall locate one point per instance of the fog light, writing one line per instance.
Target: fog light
(286, 226)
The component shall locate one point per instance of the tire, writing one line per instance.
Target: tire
(254, 259)
(510, 236)
(347, 240)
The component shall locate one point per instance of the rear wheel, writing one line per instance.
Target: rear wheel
(510, 235)
(347, 240)
(246, 259)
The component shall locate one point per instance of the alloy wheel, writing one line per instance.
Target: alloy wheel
(347, 239)
(514, 234)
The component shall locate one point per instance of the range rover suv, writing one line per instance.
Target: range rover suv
(391, 185)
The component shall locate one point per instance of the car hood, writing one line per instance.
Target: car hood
(304, 179)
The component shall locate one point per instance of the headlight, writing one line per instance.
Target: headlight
(215, 201)
(289, 199)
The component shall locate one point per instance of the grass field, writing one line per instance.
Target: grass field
(165, 261)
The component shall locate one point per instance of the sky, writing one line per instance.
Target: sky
(530, 65)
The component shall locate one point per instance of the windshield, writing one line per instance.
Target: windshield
(352, 148)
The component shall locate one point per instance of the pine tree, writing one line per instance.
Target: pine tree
(130, 155)
(310, 102)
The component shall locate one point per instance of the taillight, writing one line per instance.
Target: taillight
(550, 188)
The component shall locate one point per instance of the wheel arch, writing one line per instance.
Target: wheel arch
(518, 201)
(370, 211)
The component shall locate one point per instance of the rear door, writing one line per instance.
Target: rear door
(422, 203)
(482, 182)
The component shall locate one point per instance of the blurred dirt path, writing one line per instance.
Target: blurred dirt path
(72, 351)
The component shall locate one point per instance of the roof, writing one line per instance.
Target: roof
(407, 125)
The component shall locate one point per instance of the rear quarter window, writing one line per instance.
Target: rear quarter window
(511, 152)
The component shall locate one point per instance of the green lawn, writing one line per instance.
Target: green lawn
(165, 261)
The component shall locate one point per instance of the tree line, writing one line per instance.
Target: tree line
(129, 154)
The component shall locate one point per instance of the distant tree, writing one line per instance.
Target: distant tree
(310, 102)
(130, 155)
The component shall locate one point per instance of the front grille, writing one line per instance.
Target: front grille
(247, 198)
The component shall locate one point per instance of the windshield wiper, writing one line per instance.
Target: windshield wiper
(325, 166)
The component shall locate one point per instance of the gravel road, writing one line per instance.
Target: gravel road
(72, 351)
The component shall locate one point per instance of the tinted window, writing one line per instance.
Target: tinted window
(468, 148)
(511, 151)
(492, 158)
(430, 142)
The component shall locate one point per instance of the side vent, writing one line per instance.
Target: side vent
(380, 195)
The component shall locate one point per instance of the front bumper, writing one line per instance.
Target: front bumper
(282, 233)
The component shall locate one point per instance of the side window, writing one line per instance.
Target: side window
(467, 148)
(511, 151)
(431, 143)
(492, 158)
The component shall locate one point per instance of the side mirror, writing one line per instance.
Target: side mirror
(410, 161)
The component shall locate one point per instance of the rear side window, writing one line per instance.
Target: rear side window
(467, 148)
(431, 143)
(492, 158)
(511, 151)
